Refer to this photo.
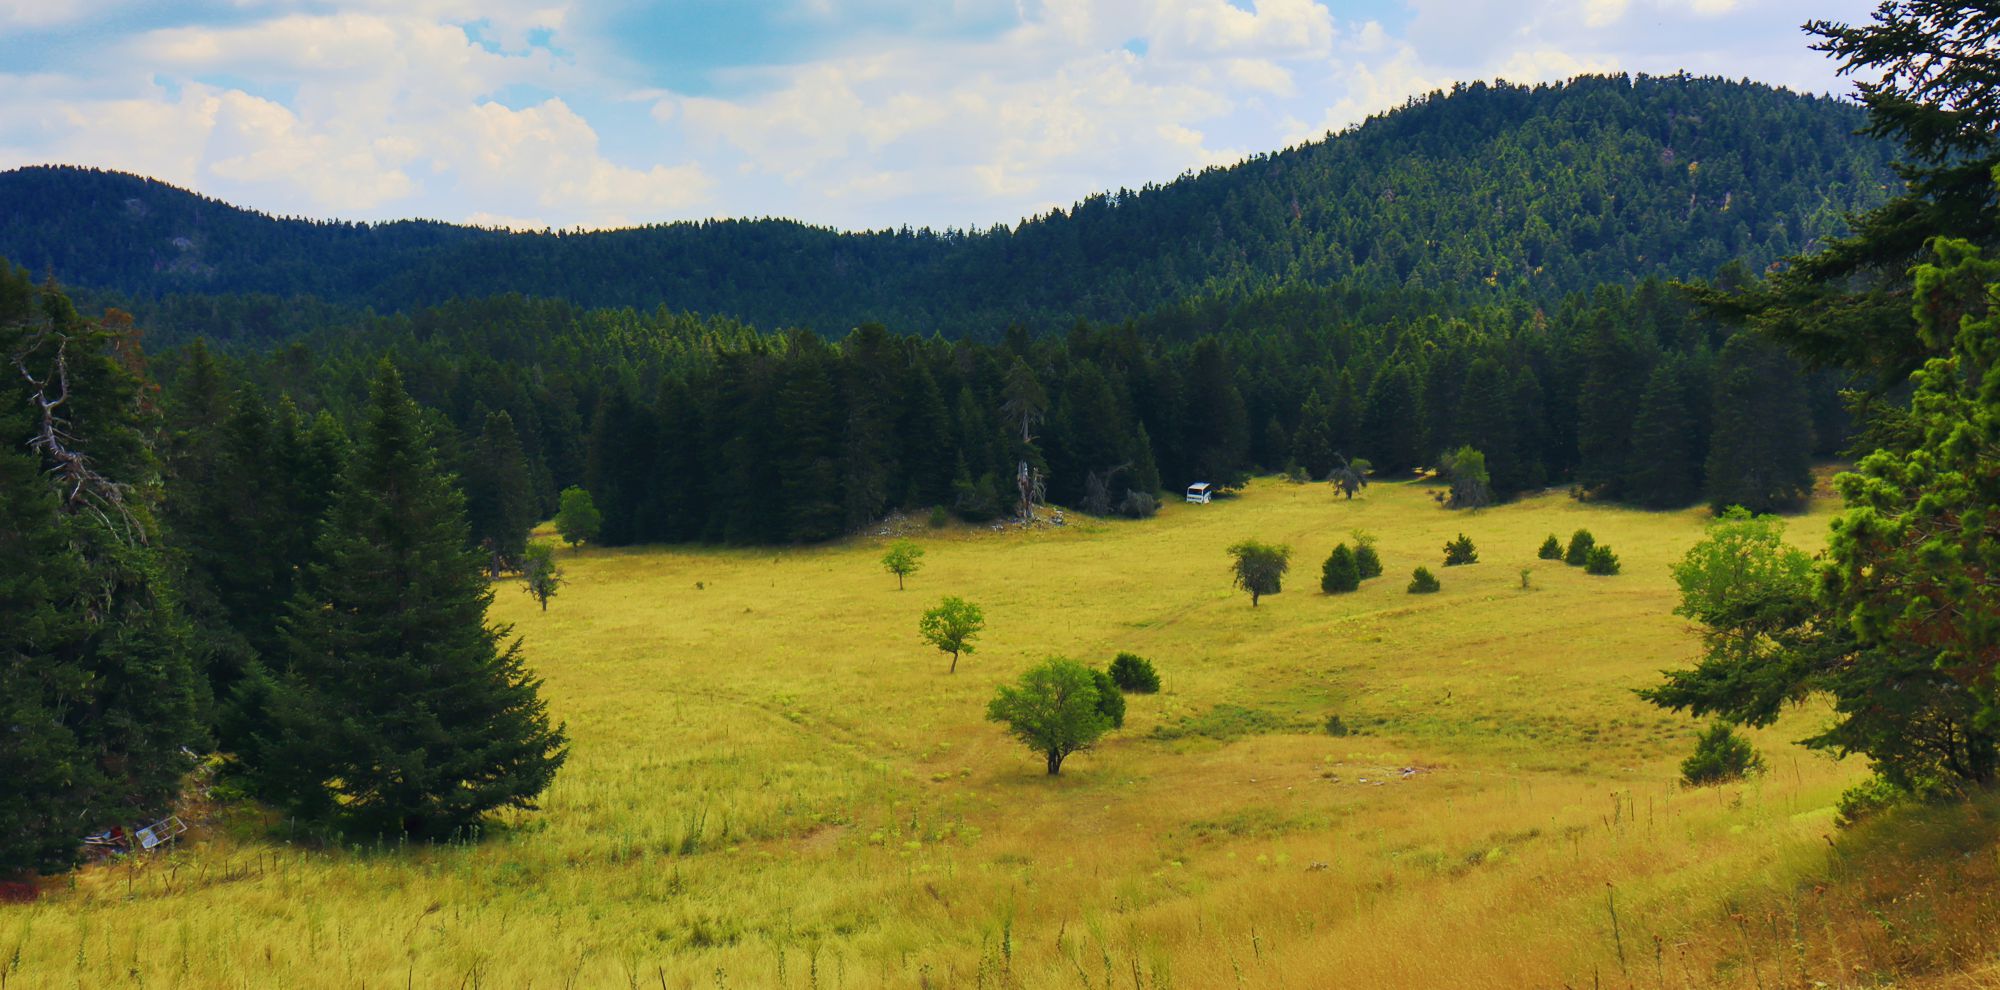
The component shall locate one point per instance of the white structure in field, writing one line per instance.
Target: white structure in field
(1200, 492)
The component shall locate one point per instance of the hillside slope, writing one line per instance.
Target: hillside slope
(1495, 189)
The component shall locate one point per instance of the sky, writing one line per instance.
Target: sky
(859, 114)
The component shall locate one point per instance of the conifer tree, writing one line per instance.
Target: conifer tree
(1340, 573)
(1486, 422)
(926, 441)
(499, 503)
(1145, 471)
(99, 692)
(1662, 472)
(399, 709)
(1614, 365)
(1312, 444)
(1392, 424)
(1760, 456)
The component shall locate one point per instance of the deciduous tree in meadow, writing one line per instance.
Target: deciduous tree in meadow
(577, 518)
(1260, 567)
(903, 558)
(1054, 708)
(951, 626)
(541, 572)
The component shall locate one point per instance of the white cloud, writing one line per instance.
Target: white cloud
(44, 13)
(379, 108)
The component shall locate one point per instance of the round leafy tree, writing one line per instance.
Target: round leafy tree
(1260, 567)
(1053, 708)
(1110, 701)
(1134, 673)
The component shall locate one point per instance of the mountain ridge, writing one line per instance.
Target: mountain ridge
(1538, 191)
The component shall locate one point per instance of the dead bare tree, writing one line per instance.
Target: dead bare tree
(83, 489)
(1034, 491)
(1097, 489)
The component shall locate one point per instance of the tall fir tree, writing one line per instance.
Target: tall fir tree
(1392, 425)
(1662, 472)
(1615, 364)
(399, 709)
(1760, 455)
(1486, 421)
(499, 498)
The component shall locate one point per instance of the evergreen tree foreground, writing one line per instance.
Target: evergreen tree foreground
(398, 710)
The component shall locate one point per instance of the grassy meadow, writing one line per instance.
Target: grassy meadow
(774, 782)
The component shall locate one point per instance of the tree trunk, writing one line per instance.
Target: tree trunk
(954, 663)
(1253, 599)
(1055, 762)
(899, 580)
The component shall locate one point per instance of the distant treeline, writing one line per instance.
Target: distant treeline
(689, 428)
(1486, 191)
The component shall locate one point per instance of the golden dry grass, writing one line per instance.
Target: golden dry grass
(774, 783)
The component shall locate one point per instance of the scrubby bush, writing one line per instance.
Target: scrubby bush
(1552, 549)
(1720, 756)
(1138, 505)
(1460, 551)
(1134, 673)
(939, 517)
(1339, 574)
(1366, 560)
(1423, 582)
(1110, 701)
(1601, 561)
(1336, 727)
(1526, 574)
(1578, 553)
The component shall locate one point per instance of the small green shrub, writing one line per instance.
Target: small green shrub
(1720, 756)
(939, 517)
(1526, 573)
(1602, 561)
(1423, 582)
(1134, 673)
(1336, 727)
(1552, 549)
(1578, 553)
(1865, 800)
(1367, 562)
(1110, 700)
(1460, 551)
(1339, 574)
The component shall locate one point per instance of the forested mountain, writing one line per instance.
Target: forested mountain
(1489, 191)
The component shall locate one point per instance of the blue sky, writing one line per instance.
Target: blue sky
(854, 113)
